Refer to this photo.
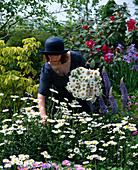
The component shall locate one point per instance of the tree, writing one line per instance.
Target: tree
(16, 11)
(108, 10)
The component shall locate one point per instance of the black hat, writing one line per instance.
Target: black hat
(54, 45)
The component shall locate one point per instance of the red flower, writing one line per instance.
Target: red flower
(119, 15)
(90, 43)
(94, 53)
(104, 48)
(131, 25)
(108, 57)
(85, 27)
(112, 18)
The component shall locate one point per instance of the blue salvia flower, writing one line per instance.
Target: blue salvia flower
(102, 105)
(113, 102)
(106, 81)
(124, 94)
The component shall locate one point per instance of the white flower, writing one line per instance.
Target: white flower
(95, 142)
(47, 156)
(22, 157)
(89, 157)
(71, 155)
(122, 137)
(76, 150)
(14, 96)
(20, 132)
(130, 163)
(7, 165)
(132, 128)
(50, 120)
(62, 136)
(58, 125)
(2, 144)
(105, 144)
(5, 110)
(93, 148)
(5, 160)
(88, 142)
(37, 100)
(56, 131)
(1, 94)
(71, 136)
(69, 150)
(44, 153)
(53, 90)
(133, 147)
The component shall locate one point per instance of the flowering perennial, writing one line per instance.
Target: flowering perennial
(84, 83)
(131, 24)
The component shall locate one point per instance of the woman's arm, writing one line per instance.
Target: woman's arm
(42, 109)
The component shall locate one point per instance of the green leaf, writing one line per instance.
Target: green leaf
(92, 63)
(77, 43)
(97, 46)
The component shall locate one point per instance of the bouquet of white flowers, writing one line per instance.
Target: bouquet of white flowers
(85, 83)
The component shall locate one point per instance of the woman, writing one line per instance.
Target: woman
(55, 73)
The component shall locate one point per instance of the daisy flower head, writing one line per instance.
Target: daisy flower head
(76, 150)
(71, 155)
(81, 80)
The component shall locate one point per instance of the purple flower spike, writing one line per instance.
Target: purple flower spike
(124, 94)
(106, 81)
(102, 105)
(113, 102)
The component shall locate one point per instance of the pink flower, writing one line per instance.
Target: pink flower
(130, 103)
(77, 165)
(68, 164)
(135, 133)
(69, 168)
(65, 162)
(136, 103)
(86, 162)
(81, 168)
(133, 97)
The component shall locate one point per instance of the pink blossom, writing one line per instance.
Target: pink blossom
(77, 165)
(130, 103)
(81, 168)
(136, 103)
(135, 133)
(133, 97)
(68, 164)
(65, 162)
(86, 162)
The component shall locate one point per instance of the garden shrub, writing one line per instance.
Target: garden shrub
(41, 36)
(16, 68)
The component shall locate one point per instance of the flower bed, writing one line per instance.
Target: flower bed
(106, 141)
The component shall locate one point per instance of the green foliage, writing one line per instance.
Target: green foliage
(16, 67)
(77, 137)
(41, 36)
(108, 9)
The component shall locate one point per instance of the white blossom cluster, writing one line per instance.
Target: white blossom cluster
(84, 83)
